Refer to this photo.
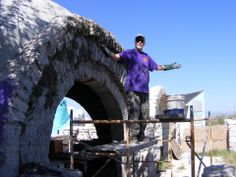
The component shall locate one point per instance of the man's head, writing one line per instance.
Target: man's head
(139, 41)
(140, 37)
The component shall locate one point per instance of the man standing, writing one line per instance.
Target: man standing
(138, 64)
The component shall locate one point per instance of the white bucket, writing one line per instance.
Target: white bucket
(175, 102)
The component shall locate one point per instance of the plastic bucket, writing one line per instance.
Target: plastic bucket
(175, 102)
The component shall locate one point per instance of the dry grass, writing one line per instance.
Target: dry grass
(228, 156)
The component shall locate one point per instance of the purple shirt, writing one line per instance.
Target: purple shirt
(138, 65)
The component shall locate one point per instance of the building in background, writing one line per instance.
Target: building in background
(197, 100)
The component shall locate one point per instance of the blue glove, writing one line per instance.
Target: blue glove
(172, 66)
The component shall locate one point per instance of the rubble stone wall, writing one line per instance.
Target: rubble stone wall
(39, 77)
(46, 51)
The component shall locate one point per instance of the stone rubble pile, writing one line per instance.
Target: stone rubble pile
(219, 171)
(231, 125)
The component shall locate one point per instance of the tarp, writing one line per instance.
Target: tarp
(61, 117)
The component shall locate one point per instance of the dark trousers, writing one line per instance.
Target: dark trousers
(138, 108)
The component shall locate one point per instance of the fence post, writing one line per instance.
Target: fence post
(71, 148)
(210, 141)
(192, 141)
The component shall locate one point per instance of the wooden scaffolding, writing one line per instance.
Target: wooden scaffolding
(126, 148)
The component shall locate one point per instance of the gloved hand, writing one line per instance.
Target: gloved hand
(106, 51)
(172, 66)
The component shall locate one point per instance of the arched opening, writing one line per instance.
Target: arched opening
(97, 101)
(100, 104)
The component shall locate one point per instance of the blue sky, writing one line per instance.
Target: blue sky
(200, 35)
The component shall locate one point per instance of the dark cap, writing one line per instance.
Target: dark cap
(139, 37)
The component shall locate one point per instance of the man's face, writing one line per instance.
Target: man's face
(139, 43)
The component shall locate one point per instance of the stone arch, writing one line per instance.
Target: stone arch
(64, 58)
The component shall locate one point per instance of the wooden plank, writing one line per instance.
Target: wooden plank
(162, 119)
(120, 148)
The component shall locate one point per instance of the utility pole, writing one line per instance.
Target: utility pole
(234, 109)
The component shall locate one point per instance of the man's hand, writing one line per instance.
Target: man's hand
(106, 51)
(172, 66)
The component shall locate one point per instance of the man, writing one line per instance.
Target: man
(138, 64)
